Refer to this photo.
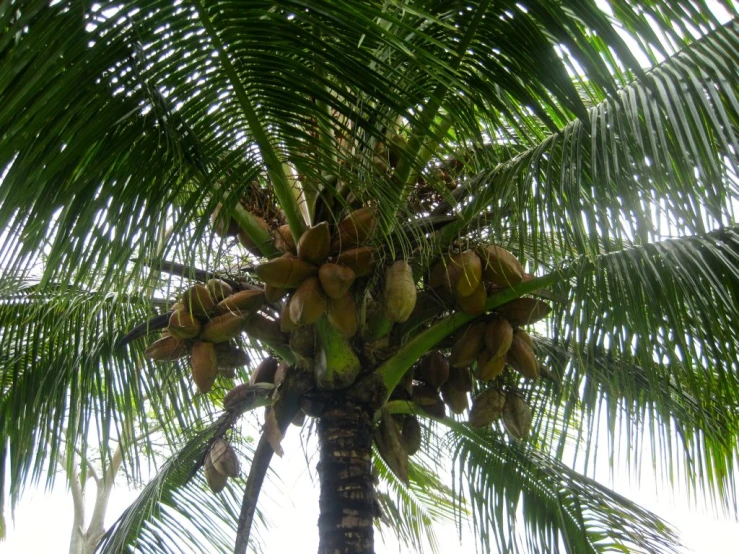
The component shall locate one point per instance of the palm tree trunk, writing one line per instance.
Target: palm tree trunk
(347, 502)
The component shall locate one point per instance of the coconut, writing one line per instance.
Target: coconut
(283, 239)
(197, 300)
(166, 349)
(183, 325)
(273, 294)
(400, 292)
(454, 398)
(517, 416)
(362, 260)
(223, 458)
(356, 228)
(285, 272)
(522, 358)
(434, 369)
(499, 266)
(498, 337)
(525, 337)
(230, 356)
(336, 279)
(488, 368)
(215, 479)
(460, 378)
(218, 289)
(308, 303)
(468, 345)
(241, 303)
(315, 243)
(223, 328)
(424, 395)
(486, 408)
(464, 273)
(524, 311)
(411, 433)
(474, 304)
(204, 365)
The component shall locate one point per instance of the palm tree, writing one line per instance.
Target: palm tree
(497, 162)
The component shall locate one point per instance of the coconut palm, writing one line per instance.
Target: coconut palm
(584, 154)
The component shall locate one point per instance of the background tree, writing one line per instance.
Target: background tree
(455, 128)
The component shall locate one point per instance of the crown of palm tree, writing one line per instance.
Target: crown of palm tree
(597, 143)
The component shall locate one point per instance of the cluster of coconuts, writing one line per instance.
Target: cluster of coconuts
(318, 271)
(220, 463)
(202, 324)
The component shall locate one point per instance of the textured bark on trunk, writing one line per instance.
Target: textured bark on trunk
(345, 471)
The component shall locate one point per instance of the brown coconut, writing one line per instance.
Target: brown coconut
(223, 458)
(342, 314)
(315, 244)
(356, 228)
(460, 378)
(336, 279)
(286, 323)
(283, 239)
(197, 300)
(400, 292)
(230, 356)
(464, 273)
(424, 395)
(524, 311)
(525, 337)
(488, 368)
(486, 408)
(498, 337)
(204, 365)
(215, 479)
(241, 303)
(183, 325)
(308, 303)
(522, 358)
(434, 369)
(517, 416)
(437, 409)
(499, 266)
(362, 260)
(285, 272)
(474, 304)
(468, 345)
(411, 433)
(223, 328)
(166, 349)
(454, 398)
(218, 289)
(273, 294)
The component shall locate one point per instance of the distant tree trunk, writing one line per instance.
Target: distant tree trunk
(347, 504)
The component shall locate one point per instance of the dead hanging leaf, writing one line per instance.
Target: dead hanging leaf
(273, 433)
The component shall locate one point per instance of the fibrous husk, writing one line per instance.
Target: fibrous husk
(362, 260)
(342, 314)
(391, 446)
(400, 292)
(437, 275)
(434, 369)
(486, 407)
(356, 228)
(468, 346)
(236, 396)
(197, 300)
(273, 294)
(336, 279)
(281, 372)
(183, 325)
(303, 341)
(524, 311)
(215, 479)
(474, 304)
(315, 244)
(460, 378)
(488, 368)
(425, 395)
(218, 289)
(308, 303)
(499, 266)
(464, 273)
(285, 272)
(223, 327)
(299, 419)
(246, 241)
(204, 364)
(454, 398)
(517, 416)
(230, 356)
(411, 433)
(223, 227)
(262, 329)
(525, 337)
(241, 303)
(223, 458)
(498, 337)
(264, 372)
(283, 239)
(522, 358)
(166, 349)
